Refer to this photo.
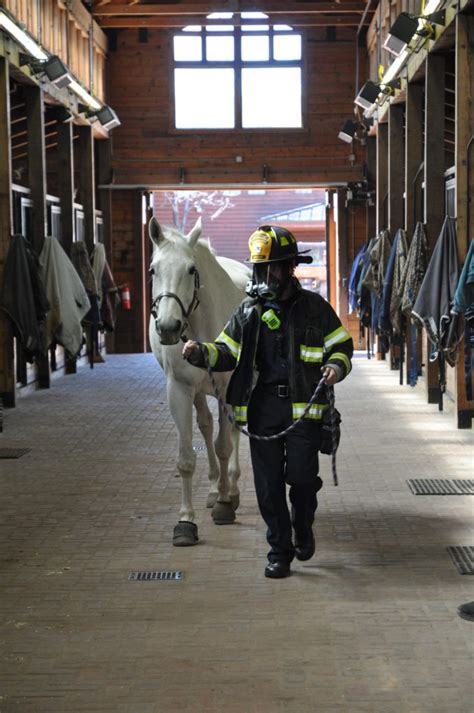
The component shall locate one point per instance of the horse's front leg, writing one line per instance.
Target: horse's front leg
(223, 512)
(234, 469)
(206, 426)
(180, 401)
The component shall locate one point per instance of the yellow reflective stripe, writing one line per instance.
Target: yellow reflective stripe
(342, 357)
(229, 342)
(240, 413)
(315, 410)
(339, 335)
(311, 353)
(212, 353)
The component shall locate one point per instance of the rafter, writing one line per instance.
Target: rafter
(270, 7)
(170, 21)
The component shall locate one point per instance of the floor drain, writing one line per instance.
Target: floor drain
(427, 486)
(463, 558)
(153, 576)
(13, 452)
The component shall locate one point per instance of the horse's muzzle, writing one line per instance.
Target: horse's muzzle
(169, 334)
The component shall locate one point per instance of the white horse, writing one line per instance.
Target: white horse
(193, 295)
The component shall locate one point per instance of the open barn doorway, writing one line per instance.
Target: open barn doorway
(230, 216)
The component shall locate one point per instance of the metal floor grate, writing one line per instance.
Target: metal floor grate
(463, 558)
(13, 452)
(154, 576)
(427, 486)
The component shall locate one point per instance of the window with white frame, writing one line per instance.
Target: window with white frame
(229, 77)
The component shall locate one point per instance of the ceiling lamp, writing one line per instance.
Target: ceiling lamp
(370, 91)
(406, 26)
(107, 117)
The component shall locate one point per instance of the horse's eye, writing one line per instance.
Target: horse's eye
(151, 271)
(192, 270)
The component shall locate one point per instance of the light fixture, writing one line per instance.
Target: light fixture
(370, 91)
(348, 131)
(107, 117)
(22, 37)
(53, 67)
(406, 26)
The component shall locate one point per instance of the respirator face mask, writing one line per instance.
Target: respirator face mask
(268, 281)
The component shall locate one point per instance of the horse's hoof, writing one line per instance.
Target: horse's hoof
(185, 534)
(211, 500)
(223, 513)
(235, 500)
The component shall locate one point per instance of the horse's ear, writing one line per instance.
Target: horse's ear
(193, 236)
(155, 232)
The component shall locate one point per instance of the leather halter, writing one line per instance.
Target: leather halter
(185, 312)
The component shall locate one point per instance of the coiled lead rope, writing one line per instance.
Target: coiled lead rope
(321, 385)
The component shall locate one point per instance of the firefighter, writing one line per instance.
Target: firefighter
(279, 343)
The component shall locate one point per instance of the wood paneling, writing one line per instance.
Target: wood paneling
(149, 151)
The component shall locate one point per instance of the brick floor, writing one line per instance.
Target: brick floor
(369, 625)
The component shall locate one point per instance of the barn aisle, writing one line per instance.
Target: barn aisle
(369, 625)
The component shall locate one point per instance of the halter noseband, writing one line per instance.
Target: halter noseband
(186, 313)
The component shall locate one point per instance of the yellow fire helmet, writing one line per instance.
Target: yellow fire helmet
(270, 243)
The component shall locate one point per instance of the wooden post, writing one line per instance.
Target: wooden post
(342, 257)
(382, 177)
(464, 161)
(413, 156)
(395, 168)
(103, 155)
(7, 370)
(413, 179)
(87, 183)
(66, 183)
(372, 181)
(434, 211)
(37, 181)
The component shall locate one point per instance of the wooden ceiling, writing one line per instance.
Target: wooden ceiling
(147, 13)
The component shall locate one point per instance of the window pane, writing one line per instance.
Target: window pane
(204, 98)
(220, 49)
(219, 28)
(192, 28)
(255, 28)
(287, 47)
(187, 49)
(220, 16)
(255, 49)
(271, 97)
(254, 16)
(281, 28)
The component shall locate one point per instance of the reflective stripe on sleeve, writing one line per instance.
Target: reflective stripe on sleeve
(233, 346)
(212, 353)
(344, 358)
(240, 413)
(339, 335)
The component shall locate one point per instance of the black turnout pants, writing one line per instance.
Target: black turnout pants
(291, 460)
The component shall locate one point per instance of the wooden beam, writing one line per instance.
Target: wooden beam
(371, 162)
(464, 162)
(413, 156)
(7, 369)
(382, 177)
(177, 21)
(37, 182)
(206, 8)
(87, 183)
(434, 211)
(396, 174)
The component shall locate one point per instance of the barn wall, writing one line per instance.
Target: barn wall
(148, 151)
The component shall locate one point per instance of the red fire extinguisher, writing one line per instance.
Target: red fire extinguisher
(125, 297)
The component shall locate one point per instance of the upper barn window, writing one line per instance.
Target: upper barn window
(228, 77)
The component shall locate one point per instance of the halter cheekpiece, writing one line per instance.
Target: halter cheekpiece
(186, 312)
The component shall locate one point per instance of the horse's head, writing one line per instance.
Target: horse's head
(175, 279)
